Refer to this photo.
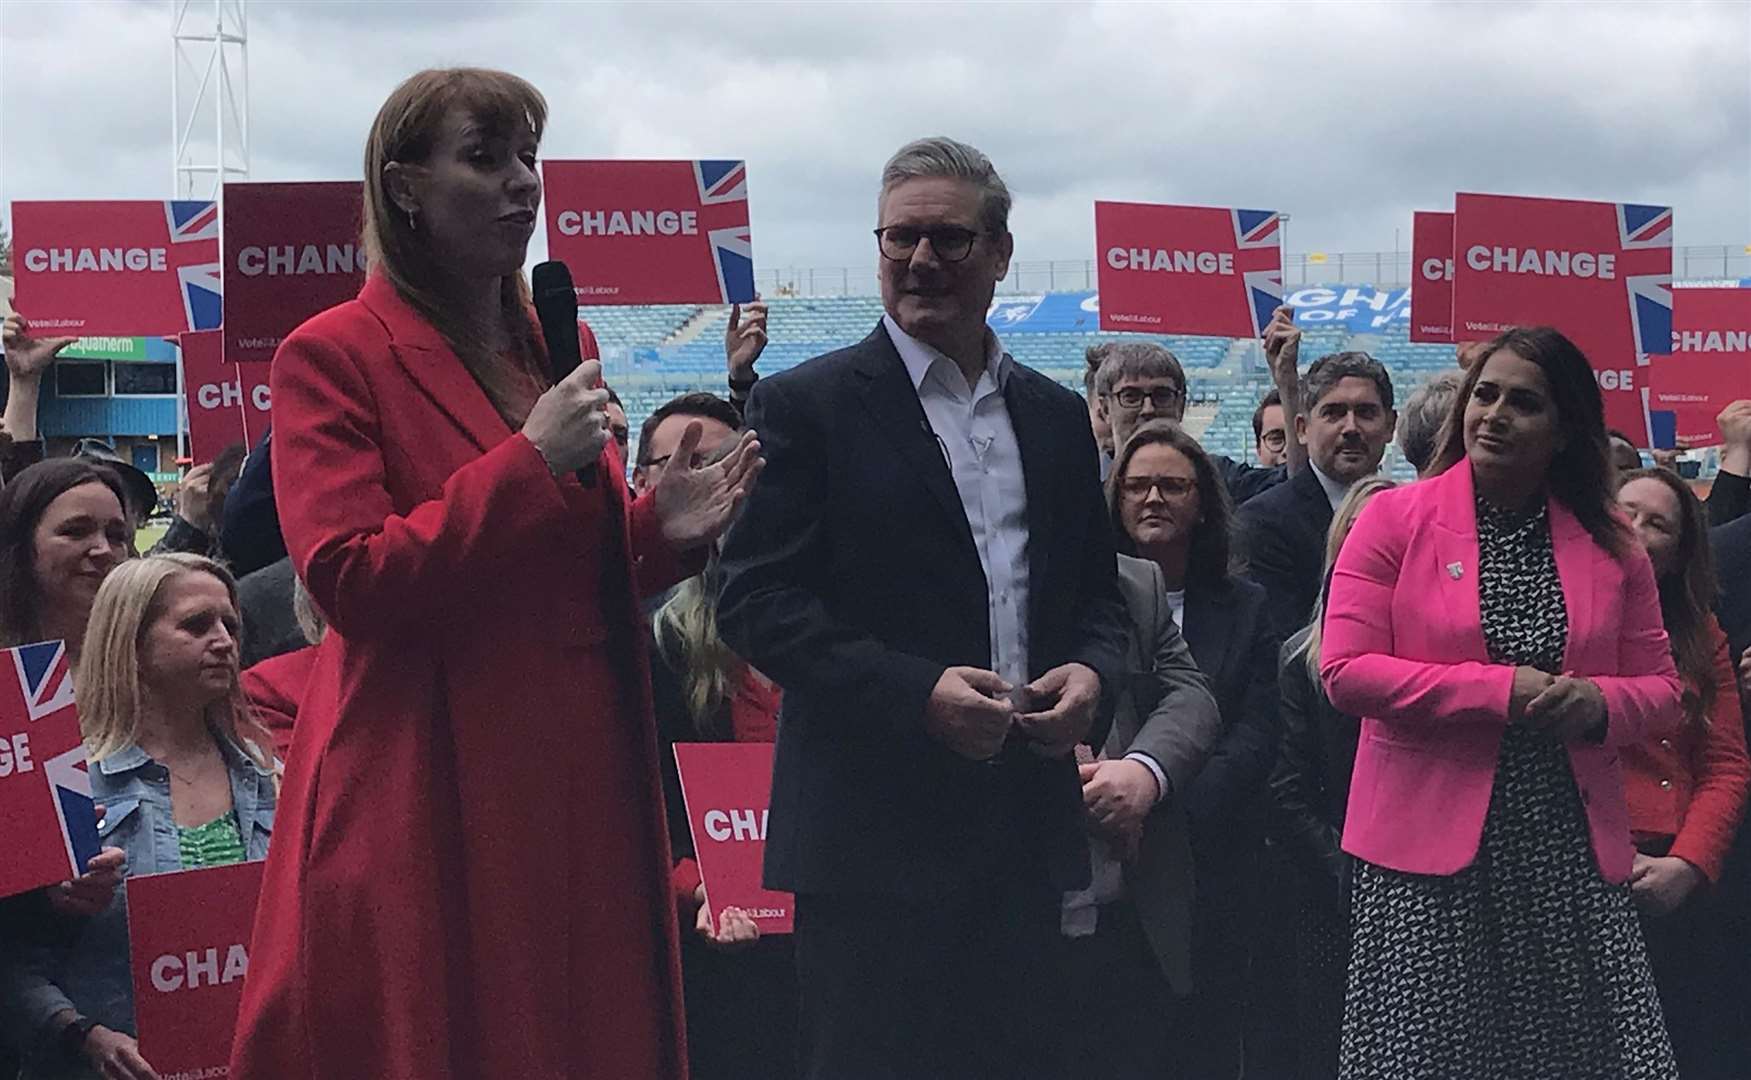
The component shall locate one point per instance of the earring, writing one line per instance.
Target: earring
(413, 224)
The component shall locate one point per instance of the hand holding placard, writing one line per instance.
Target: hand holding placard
(188, 942)
(726, 788)
(27, 357)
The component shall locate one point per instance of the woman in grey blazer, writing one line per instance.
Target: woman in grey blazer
(1127, 938)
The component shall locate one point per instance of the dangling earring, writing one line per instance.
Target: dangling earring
(413, 225)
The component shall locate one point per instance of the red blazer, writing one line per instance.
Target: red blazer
(274, 688)
(1404, 649)
(1689, 787)
(470, 876)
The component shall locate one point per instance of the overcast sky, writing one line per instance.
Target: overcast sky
(1347, 115)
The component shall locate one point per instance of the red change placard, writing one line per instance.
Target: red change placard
(50, 830)
(726, 787)
(188, 940)
(1431, 276)
(227, 403)
(291, 251)
(1187, 269)
(117, 268)
(651, 232)
(1599, 272)
(1710, 364)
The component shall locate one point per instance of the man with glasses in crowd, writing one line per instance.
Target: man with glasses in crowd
(660, 435)
(1139, 381)
(1270, 431)
(927, 570)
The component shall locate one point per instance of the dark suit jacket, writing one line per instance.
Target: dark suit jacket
(1732, 552)
(1246, 482)
(1165, 710)
(264, 601)
(1310, 783)
(1231, 637)
(1729, 498)
(851, 580)
(252, 520)
(1282, 533)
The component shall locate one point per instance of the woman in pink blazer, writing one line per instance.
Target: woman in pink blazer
(1499, 630)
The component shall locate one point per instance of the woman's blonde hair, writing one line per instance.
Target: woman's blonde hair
(1341, 523)
(687, 639)
(406, 130)
(107, 685)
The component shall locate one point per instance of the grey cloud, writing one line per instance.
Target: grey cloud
(1347, 115)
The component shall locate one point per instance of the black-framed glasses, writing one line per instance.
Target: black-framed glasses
(949, 243)
(1162, 397)
(1276, 438)
(1170, 487)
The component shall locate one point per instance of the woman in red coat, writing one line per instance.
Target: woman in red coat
(1687, 791)
(471, 874)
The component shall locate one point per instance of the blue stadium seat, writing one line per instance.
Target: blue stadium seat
(1051, 334)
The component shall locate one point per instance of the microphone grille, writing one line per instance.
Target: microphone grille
(551, 276)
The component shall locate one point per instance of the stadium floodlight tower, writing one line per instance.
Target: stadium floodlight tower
(209, 95)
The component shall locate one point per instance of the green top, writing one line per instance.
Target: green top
(217, 843)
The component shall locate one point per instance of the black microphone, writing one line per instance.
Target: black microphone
(556, 306)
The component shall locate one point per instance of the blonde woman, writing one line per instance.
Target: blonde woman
(184, 771)
(739, 988)
(1309, 786)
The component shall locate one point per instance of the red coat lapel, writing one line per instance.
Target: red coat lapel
(433, 366)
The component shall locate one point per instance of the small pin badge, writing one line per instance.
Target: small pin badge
(1455, 570)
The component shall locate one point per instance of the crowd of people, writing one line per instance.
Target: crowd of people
(1097, 754)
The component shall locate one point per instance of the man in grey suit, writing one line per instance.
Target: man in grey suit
(1127, 947)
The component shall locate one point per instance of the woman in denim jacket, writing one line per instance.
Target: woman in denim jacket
(184, 771)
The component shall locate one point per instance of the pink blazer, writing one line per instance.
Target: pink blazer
(1404, 649)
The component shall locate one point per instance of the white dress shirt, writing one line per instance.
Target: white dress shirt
(1334, 490)
(973, 428)
(1176, 603)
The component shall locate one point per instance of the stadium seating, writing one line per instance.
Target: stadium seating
(654, 353)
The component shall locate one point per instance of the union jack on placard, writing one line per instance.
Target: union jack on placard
(723, 211)
(1640, 226)
(70, 783)
(45, 788)
(1258, 256)
(195, 226)
(44, 677)
(1645, 264)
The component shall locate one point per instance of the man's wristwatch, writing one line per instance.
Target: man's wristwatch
(72, 1039)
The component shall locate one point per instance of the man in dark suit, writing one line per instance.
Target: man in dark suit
(927, 570)
(1732, 552)
(1133, 382)
(1345, 421)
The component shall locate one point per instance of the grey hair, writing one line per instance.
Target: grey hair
(310, 620)
(1419, 424)
(1120, 360)
(941, 156)
(1328, 371)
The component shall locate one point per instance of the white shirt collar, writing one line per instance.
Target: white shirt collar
(919, 357)
(1334, 490)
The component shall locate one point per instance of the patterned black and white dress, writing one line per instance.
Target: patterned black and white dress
(1527, 964)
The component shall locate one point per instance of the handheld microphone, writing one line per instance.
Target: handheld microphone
(556, 306)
